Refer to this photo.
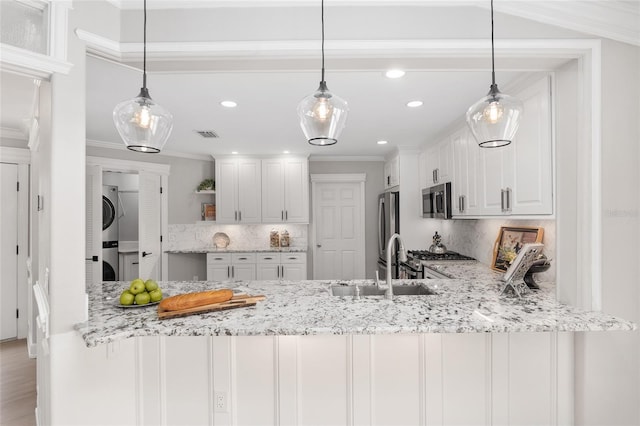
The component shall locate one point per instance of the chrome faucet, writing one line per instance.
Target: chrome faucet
(402, 257)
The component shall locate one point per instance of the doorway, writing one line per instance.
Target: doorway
(8, 251)
(338, 226)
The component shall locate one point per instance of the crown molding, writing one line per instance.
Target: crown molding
(215, 4)
(15, 155)
(121, 147)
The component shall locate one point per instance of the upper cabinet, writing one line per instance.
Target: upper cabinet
(518, 179)
(438, 163)
(392, 172)
(512, 180)
(285, 190)
(238, 190)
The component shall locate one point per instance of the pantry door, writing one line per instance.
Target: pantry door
(338, 226)
(93, 224)
(149, 226)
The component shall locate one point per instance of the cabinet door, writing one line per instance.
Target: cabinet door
(466, 177)
(218, 272)
(244, 272)
(270, 272)
(226, 190)
(249, 191)
(296, 190)
(445, 161)
(273, 183)
(496, 165)
(532, 180)
(431, 165)
(294, 271)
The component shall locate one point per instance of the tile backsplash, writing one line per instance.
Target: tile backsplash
(242, 237)
(476, 237)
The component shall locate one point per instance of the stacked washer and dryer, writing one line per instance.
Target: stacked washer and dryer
(109, 233)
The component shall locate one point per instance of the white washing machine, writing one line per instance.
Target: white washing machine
(109, 233)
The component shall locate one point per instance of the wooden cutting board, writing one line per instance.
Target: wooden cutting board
(237, 301)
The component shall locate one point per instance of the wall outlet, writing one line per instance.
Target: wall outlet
(221, 402)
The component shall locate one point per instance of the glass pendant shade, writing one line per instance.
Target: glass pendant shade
(143, 125)
(494, 119)
(323, 115)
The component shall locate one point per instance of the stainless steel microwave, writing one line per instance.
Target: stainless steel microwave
(436, 201)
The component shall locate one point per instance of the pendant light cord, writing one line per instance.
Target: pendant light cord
(493, 61)
(144, 49)
(322, 20)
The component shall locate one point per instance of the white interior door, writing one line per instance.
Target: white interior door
(339, 230)
(8, 252)
(149, 222)
(93, 242)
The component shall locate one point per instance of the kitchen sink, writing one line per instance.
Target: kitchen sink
(372, 290)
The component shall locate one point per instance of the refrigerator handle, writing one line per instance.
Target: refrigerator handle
(381, 230)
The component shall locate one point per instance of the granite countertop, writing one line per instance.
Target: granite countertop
(234, 250)
(468, 305)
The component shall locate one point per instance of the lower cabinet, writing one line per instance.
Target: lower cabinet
(282, 266)
(231, 266)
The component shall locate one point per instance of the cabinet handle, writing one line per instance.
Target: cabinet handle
(228, 271)
(282, 274)
(502, 208)
(240, 216)
(268, 258)
(233, 271)
(508, 193)
(286, 215)
(242, 258)
(217, 258)
(388, 180)
(135, 263)
(464, 207)
(278, 271)
(281, 214)
(437, 175)
(433, 175)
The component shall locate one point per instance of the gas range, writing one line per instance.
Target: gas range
(427, 255)
(415, 268)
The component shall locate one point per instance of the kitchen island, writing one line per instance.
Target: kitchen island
(465, 355)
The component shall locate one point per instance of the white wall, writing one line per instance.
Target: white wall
(608, 364)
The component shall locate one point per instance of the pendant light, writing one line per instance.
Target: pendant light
(143, 125)
(494, 119)
(322, 113)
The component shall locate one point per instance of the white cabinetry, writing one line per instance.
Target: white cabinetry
(285, 190)
(282, 266)
(238, 190)
(438, 163)
(231, 266)
(518, 178)
(392, 172)
(465, 185)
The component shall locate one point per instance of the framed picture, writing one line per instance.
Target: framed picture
(509, 243)
(208, 211)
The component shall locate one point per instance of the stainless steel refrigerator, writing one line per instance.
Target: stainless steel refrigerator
(388, 224)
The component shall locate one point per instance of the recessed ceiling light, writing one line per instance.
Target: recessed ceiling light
(382, 142)
(394, 73)
(228, 104)
(234, 152)
(414, 104)
(285, 152)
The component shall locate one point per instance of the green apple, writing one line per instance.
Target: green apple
(156, 295)
(142, 298)
(150, 285)
(126, 298)
(137, 286)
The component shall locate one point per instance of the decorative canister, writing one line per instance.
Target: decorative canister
(274, 239)
(284, 239)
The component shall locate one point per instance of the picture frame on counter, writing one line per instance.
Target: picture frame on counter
(208, 211)
(510, 241)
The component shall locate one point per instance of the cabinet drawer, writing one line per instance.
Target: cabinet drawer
(243, 258)
(293, 258)
(217, 258)
(268, 258)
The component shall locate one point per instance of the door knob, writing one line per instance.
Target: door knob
(145, 254)
(318, 245)
(92, 258)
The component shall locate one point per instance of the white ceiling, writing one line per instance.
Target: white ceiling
(267, 78)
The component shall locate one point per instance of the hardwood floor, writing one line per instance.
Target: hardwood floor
(17, 385)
